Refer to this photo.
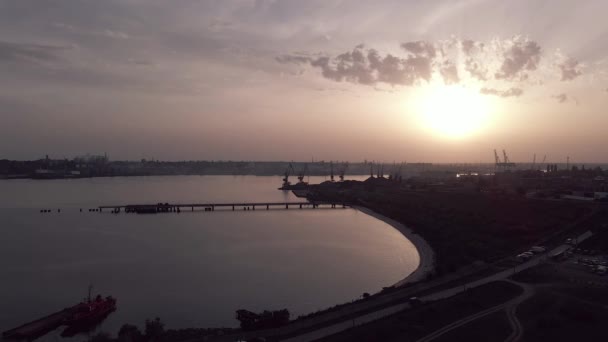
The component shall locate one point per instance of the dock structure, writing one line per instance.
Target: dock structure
(175, 207)
(39, 327)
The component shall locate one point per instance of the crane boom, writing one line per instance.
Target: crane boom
(505, 163)
(302, 173)
(342, 171)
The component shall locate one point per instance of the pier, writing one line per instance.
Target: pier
(173, 207)
(39, 327)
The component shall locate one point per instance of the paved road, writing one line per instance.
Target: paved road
(372, 316)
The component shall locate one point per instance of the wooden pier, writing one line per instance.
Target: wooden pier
(174, 207)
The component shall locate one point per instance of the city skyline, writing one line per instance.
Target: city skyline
(438, 81)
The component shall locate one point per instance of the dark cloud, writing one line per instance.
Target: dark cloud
(517, 58)
(34, 53)
(140, 62)
(467, 46)
(449, 72)
(420, 48)
(368, 66)
(475, 69)
(350, 66)
(564, 98)
(561, 98)
(399, 71)
(293, 59)
(108, 33)
(512, 92)
(522, 56)
(570, 69)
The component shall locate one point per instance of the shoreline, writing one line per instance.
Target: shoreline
(425, 252)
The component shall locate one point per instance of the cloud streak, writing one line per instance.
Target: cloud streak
(30, 53)
(511, 92)
(570, 69)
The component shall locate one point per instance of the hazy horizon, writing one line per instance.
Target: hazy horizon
(433, 81)
(519, 163)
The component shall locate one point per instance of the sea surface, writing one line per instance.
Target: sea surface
(192, 269)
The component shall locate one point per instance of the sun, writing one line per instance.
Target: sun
(453, 111)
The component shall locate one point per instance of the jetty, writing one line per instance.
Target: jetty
(38, 327)
(174, 207)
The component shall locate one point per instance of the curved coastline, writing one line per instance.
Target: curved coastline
(425, 252)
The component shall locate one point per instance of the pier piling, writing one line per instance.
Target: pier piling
(177, 208)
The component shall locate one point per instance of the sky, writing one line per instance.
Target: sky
(417, 81)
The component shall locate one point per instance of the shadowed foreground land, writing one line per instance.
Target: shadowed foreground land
(571, 303)
(463, 227)
(565, 301)
(410, 325)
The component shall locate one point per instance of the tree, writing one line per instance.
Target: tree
(100, 337)
(129, 333)
(154, 328)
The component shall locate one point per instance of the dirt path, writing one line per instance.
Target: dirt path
(461, 322)
(510, 307)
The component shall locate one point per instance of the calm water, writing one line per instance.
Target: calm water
(190, 269)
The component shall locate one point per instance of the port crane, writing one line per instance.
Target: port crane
(380, 171)
(396, 175)
(505, 163)
(302, 173)
(288, 171)
(342, 171)
(544, 158)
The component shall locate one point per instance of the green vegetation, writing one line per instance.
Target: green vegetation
(412, 324)
(491, 328)
(265, 320)
(554, 315)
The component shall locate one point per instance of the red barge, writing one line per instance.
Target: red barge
(85, 314)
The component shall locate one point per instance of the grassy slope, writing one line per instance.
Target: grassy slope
(411, 325)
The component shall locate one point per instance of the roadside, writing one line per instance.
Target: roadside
(417, 323)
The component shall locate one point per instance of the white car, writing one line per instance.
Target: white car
(524, 256)
(538, 249)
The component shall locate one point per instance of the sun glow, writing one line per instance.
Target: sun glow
(453, 111)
